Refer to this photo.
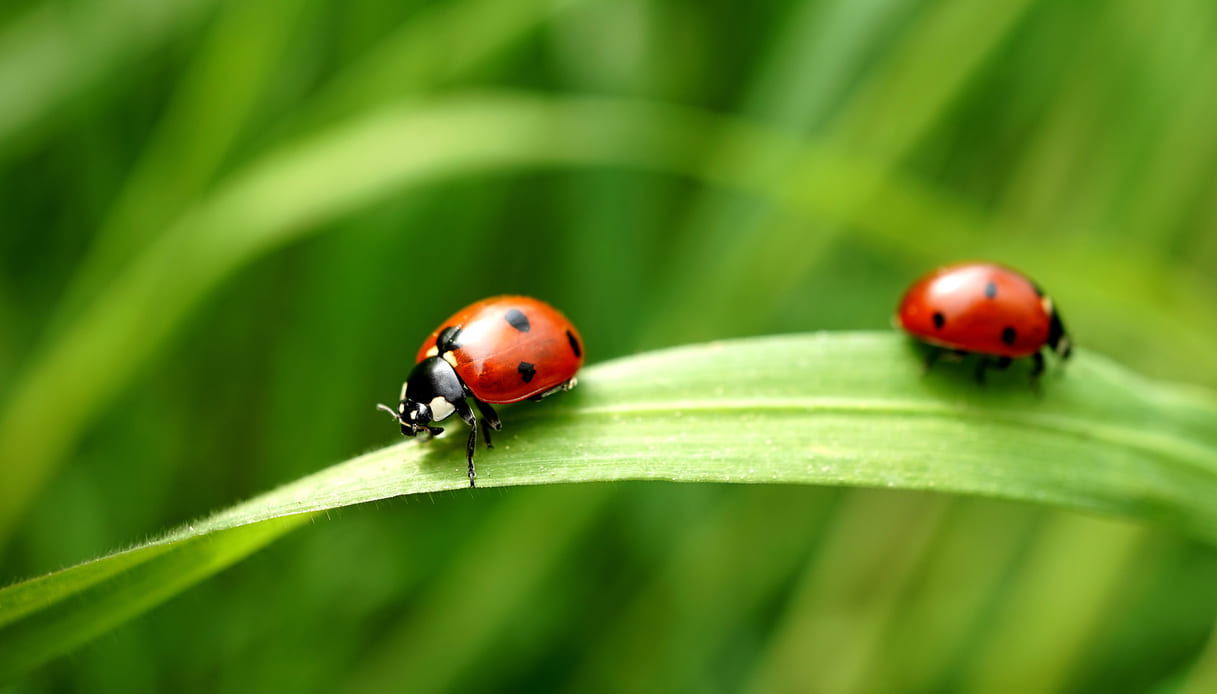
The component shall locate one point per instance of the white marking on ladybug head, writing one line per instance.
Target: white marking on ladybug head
(441, 409)
(1046, 304)
(1064, 346)
(450, 357)
(432, 351)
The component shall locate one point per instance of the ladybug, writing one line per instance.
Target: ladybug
(986, 309)
(498, 350)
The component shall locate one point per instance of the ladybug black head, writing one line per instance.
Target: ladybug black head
(432, 393)
(414, 417)
(1058, 339)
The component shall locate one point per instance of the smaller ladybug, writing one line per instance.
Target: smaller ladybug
(499, 350)
(986, 309)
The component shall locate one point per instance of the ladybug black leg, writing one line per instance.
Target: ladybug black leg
(931, 358)
(490, 418)
(982, 364)
(985, 363)
(1037, 365)
(469, 448)
(466, 414)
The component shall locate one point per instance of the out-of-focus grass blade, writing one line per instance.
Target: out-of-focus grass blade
(821, 47)
(440, 43)
(226, 78)
(466, 604)
(824, 636)
(1202, 676)
(56, 50)
(690, 581)
(291, 193)
(184, 153)
(973, 552)
(1080, 563)
(843, 409)
(926, 73)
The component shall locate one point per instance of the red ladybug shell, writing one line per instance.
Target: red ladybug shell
(510, 348)
(977, 307)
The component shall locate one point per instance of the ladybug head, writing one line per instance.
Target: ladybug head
(431, 393)
(1058, 339)
(413, 416)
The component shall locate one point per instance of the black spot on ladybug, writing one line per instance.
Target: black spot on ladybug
(939, 319)
(574, 344)
(527, 371)
(448, 339)
(991, 290)
(1008, 335)
(518, 320)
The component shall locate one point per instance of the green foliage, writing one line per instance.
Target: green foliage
(227, 225)
(764, 410)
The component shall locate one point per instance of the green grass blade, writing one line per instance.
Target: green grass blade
(438, 44)
(241, 54)
(56, 51)
(1202, 676)
(821, 48)
(1080, 563)
(694, 574)
(71, 607)
(292, 192)
(184, 153)
(823, 637)
(975, 551)
(927, 72)
(833, 409)
(466, 604)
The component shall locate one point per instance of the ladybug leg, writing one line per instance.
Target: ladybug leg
(985, 363)
(488, 413)
(1037, 365)
(560, 388)
(931, 358)
(466, 414)
(490, 418)
(982, 365)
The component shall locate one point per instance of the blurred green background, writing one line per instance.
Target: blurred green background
(1074, 140)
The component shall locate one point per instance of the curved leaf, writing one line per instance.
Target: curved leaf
(831, 409)
(291, 193)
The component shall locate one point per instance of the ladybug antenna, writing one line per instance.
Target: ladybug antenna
(392, 412)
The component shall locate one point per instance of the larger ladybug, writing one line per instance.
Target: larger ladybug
(983, 308)
(498, 350)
